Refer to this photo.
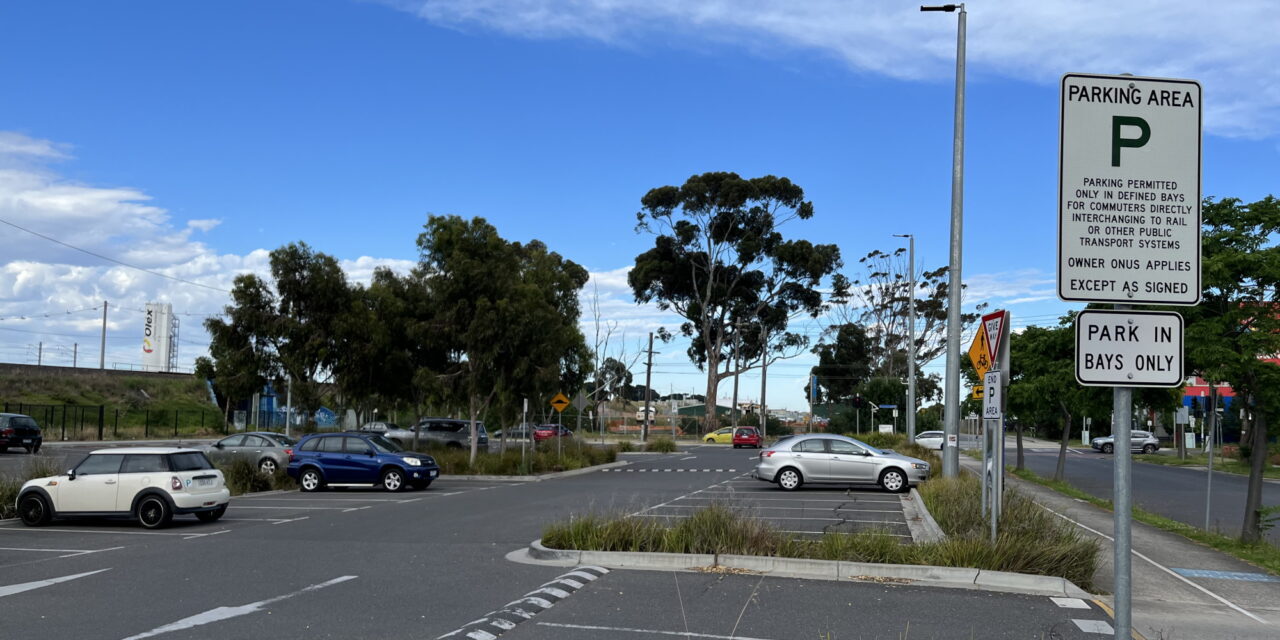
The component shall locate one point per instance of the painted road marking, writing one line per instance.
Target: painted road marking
(226, 613)
(1157, 565)
(70, 553)
(119, 532)
(1070, 603)
(1227, 575)
(495, 623)
(668, 471)
(1094, 626)
(659, 632)
(28, 586)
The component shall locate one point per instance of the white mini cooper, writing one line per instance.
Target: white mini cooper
(151, 484)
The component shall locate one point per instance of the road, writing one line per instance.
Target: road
(1173, 492)
(369, 564)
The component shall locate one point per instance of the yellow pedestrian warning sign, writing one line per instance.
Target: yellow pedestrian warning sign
(560, 402)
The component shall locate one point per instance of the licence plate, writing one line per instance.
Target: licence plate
(26, 441)
(204, 482)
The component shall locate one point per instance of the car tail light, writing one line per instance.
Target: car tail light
(7, 431)
(766, 454)
(175, 483)
(289, 452)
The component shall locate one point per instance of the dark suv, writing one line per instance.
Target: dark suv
(17, 430)
(358, 459)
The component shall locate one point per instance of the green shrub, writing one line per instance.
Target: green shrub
(662, 445)
(34, 467)
(244, 477)
(879, 440)
(547, 457)
(625, 446)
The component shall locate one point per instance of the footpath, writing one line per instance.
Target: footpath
(1181, 589)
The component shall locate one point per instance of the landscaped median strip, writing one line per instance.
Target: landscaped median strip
(495, 623)
(808, 568)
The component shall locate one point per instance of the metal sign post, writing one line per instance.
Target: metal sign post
(1128, 233)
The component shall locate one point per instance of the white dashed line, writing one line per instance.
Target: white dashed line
(1094, 626)
(1070, 603)
(682, 634)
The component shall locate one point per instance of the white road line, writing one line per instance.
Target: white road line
(681, 517)
(355, 508)
(1094, 626)
(72, 551)
(286, 521)
(293, 508)
(818, 533)
(1157, 565)
(681, 634)
(1070, 603)
(225, 613)
(120, 532)
(326, 499)
(28, 586)
(688, 458)
(763, 508)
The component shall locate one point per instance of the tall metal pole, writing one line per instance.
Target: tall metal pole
(75, 354)
(1122, 406)
(39, 353)
(102, 347)
(764, 381)
(737, 366)
(911, 336)
(951, 410)
(1212, 424)
(648, 377)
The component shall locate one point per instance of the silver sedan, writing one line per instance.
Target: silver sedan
(825, 458)
(266, 450)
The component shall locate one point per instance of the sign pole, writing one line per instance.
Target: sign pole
(1212, 425)
(1122, 406)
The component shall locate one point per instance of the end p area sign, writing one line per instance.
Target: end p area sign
(1129, 190)
(1129, 349)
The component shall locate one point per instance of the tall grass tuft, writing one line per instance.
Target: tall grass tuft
(662, 444)
(545, 457)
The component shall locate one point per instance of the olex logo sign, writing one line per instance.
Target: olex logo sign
(148, 330)
(156, 337)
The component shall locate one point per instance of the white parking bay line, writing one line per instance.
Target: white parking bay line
(283, 508)
(659, 632)
(225, 613)
(28, 586)
(120, 532)
(70, 552)
(323, 499)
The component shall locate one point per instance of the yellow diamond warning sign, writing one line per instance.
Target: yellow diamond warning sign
(980, 353)
(560, 402)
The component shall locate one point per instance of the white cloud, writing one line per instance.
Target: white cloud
(1010, 287)
(204, 225)
(1229, 47)
(16, 144)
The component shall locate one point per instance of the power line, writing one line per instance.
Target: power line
(110, 259)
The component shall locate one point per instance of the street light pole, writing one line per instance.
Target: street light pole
(951, 410)
(911, 336)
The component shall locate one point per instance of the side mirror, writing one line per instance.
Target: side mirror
(71, 474)
(369, 452)
(218, 445)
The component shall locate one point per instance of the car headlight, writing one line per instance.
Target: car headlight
(917, 465)
(413, 462)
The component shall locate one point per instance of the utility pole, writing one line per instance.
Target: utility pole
(951, 410)
(911, 336)
(75, 354)
(648, 377)
(39, 353)
(102, 347)
(764, 380)
(737, 372)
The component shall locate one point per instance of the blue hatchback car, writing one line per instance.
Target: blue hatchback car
(365, 459)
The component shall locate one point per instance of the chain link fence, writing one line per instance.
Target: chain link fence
(102, 422)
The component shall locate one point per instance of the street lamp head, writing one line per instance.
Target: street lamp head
(902, 235)
(943, 7)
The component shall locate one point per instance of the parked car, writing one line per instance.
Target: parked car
(1143, 441)
(931, 439)
(17, 430)
(720, 436)
(818, 458)
(746, 437)
(549, 431)
(449, 432)
(266, 450)
(518, 432)
(149, 484)
(358, 458)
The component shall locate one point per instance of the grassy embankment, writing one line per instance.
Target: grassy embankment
(132, 405)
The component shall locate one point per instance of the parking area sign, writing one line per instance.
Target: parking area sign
(1129, 190)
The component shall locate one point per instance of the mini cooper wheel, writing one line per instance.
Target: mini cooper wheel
(1149, 449)
(34, 511)
(310, 480)
(893, 481)
(789, 479)
(268, 466)
(1108, 448)
(210, 516)
(154, 512)
(392, 480)
(711, 440)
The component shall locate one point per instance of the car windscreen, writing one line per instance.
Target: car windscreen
(383, 445)
(189, 461)
(281, 439)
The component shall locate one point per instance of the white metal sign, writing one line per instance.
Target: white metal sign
(1129, 190)
(993, 326)
(1129, 349)
(991, 396)
(157, 322)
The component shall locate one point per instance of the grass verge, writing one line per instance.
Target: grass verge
(1031, 540)
(1264, 555)
(662, 444)
(244, 477)
(545, 457)
(1224, 465)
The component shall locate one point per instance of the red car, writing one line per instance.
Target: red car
(548, 431)
(746, 437)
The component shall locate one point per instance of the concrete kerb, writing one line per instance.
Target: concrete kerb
(920, 522)
(930, 576)
(541, 477)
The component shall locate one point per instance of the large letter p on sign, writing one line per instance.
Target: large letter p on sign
(1118, 141)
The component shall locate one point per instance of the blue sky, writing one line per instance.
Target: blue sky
(190, 137)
